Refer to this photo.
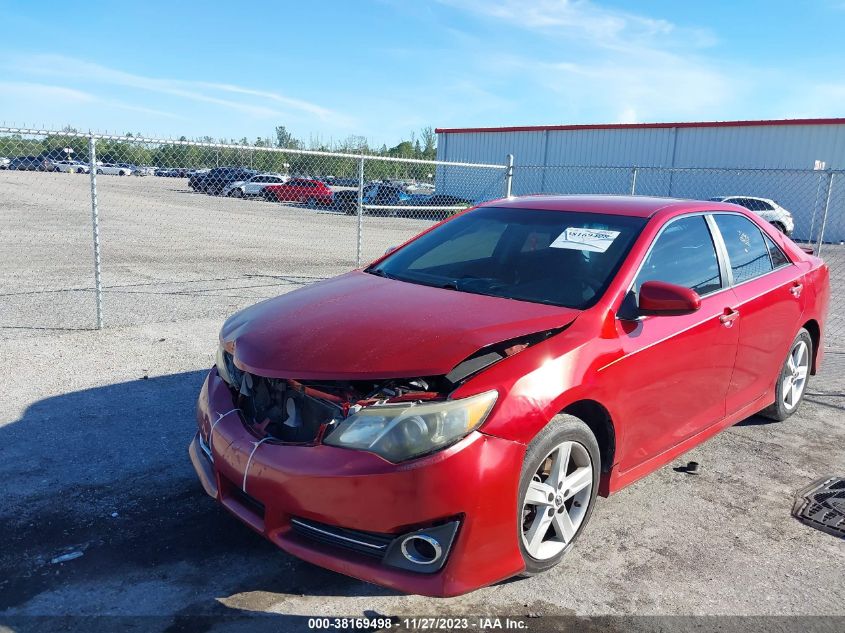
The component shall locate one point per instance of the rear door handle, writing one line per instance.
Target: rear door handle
(728, 318)
(796, 289)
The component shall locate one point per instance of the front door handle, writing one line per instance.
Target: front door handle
(796, 289)
(728, 318)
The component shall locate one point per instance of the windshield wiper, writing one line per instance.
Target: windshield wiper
(378, 272)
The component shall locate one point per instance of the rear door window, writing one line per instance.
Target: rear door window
(747, 250)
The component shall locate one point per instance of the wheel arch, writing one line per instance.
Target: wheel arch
(812, 326)
(597, 417)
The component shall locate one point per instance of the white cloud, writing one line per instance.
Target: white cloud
(204, 92)
(25, 89)
(601, 64)
(602, 26)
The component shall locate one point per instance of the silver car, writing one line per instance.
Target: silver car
(112, 169)
(71, 167)
(766, 208)
(254, 186)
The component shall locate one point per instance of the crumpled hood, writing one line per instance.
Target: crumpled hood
(360, 326)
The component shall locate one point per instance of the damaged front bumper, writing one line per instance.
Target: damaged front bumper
(351, 511)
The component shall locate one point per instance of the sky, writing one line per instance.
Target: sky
(385, 68)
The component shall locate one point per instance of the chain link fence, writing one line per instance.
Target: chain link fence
(162, 229)
(123, 230)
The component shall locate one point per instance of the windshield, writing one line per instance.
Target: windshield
(555, 257)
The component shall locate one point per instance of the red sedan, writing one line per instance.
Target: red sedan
(304, 190)
(444, 418)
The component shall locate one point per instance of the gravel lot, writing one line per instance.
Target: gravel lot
(167, 253)
(94, 428)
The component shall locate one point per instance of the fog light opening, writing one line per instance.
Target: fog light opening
(421, 549)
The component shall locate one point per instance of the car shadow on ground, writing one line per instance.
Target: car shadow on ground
(103, 475)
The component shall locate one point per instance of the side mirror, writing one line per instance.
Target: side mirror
(660, 297)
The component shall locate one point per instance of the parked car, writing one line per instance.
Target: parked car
(113, 169)
(4, 162)
(253, 186)
(171, 172)
(374, 194)
(308, 191)
(215, 180)
(444, 418)
(140, 170)
(31, 163)
(345, 182)
(766, 208)
(71, 166)
(439, 200)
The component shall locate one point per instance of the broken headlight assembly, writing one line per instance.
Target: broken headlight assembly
(226, 368)
(398, 432)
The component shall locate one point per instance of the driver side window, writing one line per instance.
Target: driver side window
(683, 254)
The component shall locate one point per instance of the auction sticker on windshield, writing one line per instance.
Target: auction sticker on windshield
(582, 239)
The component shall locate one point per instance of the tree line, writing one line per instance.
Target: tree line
(254, 155)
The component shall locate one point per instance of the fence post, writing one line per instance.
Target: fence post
(360, 210)
(95, 224)
(509, 177)
(824, 215)
(634, 171)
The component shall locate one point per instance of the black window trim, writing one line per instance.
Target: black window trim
(722, 256)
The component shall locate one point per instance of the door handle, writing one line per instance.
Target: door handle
(796, 289)
(728, 318)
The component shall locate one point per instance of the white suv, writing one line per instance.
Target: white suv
(254, 186)
(766, 208)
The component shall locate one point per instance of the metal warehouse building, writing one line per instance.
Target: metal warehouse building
(774, 159)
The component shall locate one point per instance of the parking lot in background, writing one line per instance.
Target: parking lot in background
(168, 253)
(94, 428)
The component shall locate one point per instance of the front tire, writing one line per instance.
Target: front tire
(557, 491)
(236, 193)
(791, 384)
(311, 203)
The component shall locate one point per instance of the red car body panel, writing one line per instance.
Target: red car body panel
(296, 191)
(361, 326)
(665, 384)
(363, 491)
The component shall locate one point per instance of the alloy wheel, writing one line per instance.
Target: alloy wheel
(797, 368)
(557, 500)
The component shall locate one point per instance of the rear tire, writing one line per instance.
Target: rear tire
(311, 203)
(236, 193)
(557, 491)
(791, 384)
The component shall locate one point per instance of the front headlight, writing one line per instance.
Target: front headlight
(399, 432)
(226, 368)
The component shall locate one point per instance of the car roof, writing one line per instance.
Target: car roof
(636, 206)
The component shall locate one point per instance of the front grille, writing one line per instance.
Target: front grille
(366, 543)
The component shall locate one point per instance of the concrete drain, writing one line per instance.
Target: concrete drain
(822, 505)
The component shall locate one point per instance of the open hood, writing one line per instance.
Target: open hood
(359, 326)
